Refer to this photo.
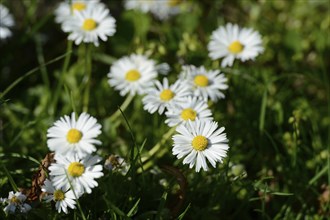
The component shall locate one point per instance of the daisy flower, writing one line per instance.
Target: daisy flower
(62, 197)
(162, 96)
(132, 74)
(190, 110)
(6, 21)
(65, 10)
(89, 25)
(205, 83)
(79, 172)
(164, 9)
(15, 203)
(233, 42)
(198, 141)
(144, 6)
(69, 136)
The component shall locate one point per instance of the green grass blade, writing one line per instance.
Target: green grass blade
(263, 111)
(17, 81)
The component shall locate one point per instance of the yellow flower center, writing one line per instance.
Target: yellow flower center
(74, 136)
(201, 80)
(89, 24)
(132, 75)
(15, 200)
(79, 6)
(199, 142)
(76, 169)
(236, 47)
(173, 3)
(58, 195)
(188, 114)
(166, 95)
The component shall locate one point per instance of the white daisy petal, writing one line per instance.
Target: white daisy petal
(232, 42)
(70, 137)
(197, 142)
(132, 74)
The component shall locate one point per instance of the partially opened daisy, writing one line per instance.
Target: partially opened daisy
(6, 22)
(190, 110)
(63, 197)
(79, 172)
(65, 10)
(132, 74)
(207, 84)
(89, 25)
(164, 95)
(198, 141)
(15, 203)
(232, 42)
(69, 136)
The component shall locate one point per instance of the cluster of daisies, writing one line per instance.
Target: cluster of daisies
(75, 168)
(184, 103)
(85, 20)
(199, 140)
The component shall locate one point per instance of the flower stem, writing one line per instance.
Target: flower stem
(88, 66)
(61, 80)
(123, 106)
(157, 148)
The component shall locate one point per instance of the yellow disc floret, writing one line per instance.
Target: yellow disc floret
(236, 47)
(89, 24)
(58, 195)
(73, 136)
(166, 95)
(199, 142)
(132, 75)
(78, 6)
(201, 80)
(188, 114)
(15, 200)
(76, 169)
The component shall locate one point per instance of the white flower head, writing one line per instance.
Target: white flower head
(164, 95)
(15, 203)
(65, 10)
(233, 42)
(164, 9)
(69, 136)
(79, 172)
(132, 74)
(190, 110)
(161, 9)
(63, 197)
(89, 25)
(206, 84)
(144, 6)
(197, 141)
(6, 22)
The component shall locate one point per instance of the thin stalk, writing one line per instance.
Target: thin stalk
(76, 197)
(61, 80)
(156, 148)
(17, 81)
(88, 67)
(41, 61)
(122, 108)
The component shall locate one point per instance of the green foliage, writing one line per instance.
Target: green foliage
(276, 112)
